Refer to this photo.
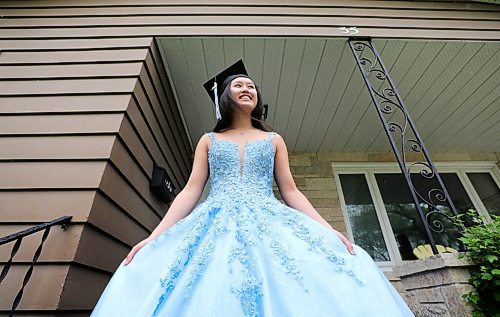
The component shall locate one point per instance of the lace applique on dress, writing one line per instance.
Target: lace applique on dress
(242, 210)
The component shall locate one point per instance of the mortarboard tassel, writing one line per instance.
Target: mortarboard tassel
(217, 110)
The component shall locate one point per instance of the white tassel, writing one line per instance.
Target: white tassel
(217, 110)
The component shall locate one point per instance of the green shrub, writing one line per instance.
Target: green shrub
(482, 241)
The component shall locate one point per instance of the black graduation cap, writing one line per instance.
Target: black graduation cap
(215, 86)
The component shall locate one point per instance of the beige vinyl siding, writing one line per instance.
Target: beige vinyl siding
(112, 19)
(79, 129)
(86, 105)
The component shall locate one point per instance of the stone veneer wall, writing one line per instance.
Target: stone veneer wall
(313, 175)
(435, 285)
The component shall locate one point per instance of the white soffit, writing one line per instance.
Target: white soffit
(319, 102)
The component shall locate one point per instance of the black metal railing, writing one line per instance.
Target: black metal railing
(18, 237)
(404, 139)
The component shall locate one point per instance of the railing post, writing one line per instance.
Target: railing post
(388, 103)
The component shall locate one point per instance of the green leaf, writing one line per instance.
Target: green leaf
(491, 258)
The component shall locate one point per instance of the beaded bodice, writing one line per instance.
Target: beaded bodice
(241, 171)
(242, 215)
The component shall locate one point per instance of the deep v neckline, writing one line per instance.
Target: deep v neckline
(242, 151)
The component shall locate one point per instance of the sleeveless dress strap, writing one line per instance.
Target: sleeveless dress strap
(271, 135)
(211, 135)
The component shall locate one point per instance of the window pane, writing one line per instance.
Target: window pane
(362, 216)
(487, 190)
(403, 216)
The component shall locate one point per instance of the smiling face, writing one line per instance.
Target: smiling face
(244, 93)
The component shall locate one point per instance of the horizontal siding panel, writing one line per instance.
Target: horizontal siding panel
(153, 147)
(244, 30)
(55, 175)
(56, 147)
(75, 44)
(165, 120)
(143, 147)
(252, 10)
(45, 287)
(60, 246)
(134, 175)
(365, 22)
(58, 124)
(155, 128)
(99, 251)
(115, 187)
(70, 71)
(74, 86)
(168, 90)
(115, 221)
(81, 280)
(42, 206)
(69, 104)
(61, 57)
(169, 106)
(134, 141)
(432, 5)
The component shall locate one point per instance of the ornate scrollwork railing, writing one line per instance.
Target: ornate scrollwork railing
(404, 140)
(18, 237)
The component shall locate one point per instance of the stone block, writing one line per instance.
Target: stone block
(320, 193)
(483, 156)
(416, 281)
(458, 275)
(323, 202)
(299, 160)
(434, 310)
(300, 183)
(337, 210)
(381, 157)
(320, 183)
(448, 157)
(398, 285)
(433, 262)
(326, 213)
(338, 219)
(452, 295)
(455, 259)
(412, 302)
(323, 169)
(339, 226)
(413, 267)
(437, 283)
(429, 295)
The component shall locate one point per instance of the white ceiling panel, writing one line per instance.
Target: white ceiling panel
(318, 100)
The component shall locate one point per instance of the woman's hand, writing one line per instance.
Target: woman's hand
(135, 249)
(345, 241)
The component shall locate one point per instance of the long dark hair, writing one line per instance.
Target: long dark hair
(227, 106)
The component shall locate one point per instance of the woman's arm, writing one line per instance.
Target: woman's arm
(291, 194)
(187, 198)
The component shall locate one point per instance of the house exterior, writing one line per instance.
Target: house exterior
(93, 92)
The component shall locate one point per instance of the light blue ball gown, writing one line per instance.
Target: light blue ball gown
(242, 252)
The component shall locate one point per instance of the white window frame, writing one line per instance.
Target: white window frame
(369, 169)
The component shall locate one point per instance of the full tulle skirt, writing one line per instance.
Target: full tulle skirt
(257, 259)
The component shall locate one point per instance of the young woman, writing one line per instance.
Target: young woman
(242, 252)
